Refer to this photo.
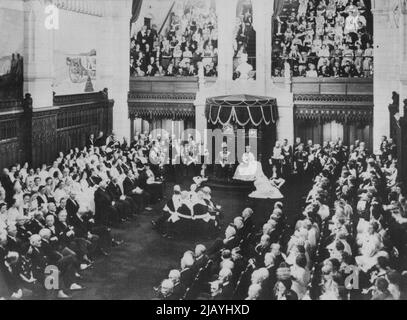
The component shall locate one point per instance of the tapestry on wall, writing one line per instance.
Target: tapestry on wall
(75, 73)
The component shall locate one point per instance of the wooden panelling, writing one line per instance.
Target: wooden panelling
(10, 152)
(308, 88)
(359, 88)
(76, 120)
(11, 145)
(332, 86)
(38, 135)
(164, 84)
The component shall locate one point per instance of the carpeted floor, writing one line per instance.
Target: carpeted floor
(132, 270)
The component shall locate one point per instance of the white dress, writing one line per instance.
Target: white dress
(85, 195)
(249, 169)
(265, 190)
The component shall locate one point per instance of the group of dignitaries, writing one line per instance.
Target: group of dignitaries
(309, 157)
(190, 213)
(59, 217)
(345, 242)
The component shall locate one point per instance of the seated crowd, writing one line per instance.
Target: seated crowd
(190, 43)
(310, 157)
(325, 38)
(61, 215)
(348, 242)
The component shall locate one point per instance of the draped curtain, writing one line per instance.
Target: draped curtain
(241, 109)
(278, 8)
(135, 11)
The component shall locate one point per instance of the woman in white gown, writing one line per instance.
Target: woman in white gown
(265, 189)
(85, 195)
(249, 169)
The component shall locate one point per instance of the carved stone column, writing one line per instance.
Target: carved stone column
(226, 12)
(262, 13)
(38, 54)
(40, 115)
(386, 67)
(118, 47)
(403, 53)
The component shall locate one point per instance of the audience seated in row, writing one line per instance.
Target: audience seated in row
(188, 44)
(327, 38)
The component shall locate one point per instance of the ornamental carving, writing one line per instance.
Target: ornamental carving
(10, 104)
(161, 96)
(95, 97)
(44, 128)
(93, 8)
(161, 110)
(332, 113)
(334, 98)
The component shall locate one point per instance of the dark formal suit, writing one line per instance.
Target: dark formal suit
(14, 244)
(268, 285)
(141, 199)
(187, 277)
(39, 262)
(23, 233)
(66, 263)
(81, 246)
(116, 193)
(61, 230)
(8, 187)
(72, 207)
(105, 213)
(227, 291)
(200, 262)
(101, 141)
(35, 226)
(41, 200)
(90, 142)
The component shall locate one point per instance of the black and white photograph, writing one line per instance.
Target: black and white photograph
(218, 151)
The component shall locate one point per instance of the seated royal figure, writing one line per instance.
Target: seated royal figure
(248, 168)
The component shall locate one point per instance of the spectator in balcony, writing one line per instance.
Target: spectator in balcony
(177, 54)
(189, 33)
(159, 70)
(191, 71)
(325, 70)
(320, 34)
(311, 73)
(142, 37)
(349, 70)
(209, 71)
(348, 55)
(170, 70)
(139, 72)
(323, 55)
(150, 71)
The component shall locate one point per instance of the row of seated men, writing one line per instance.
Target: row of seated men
(62, 216)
